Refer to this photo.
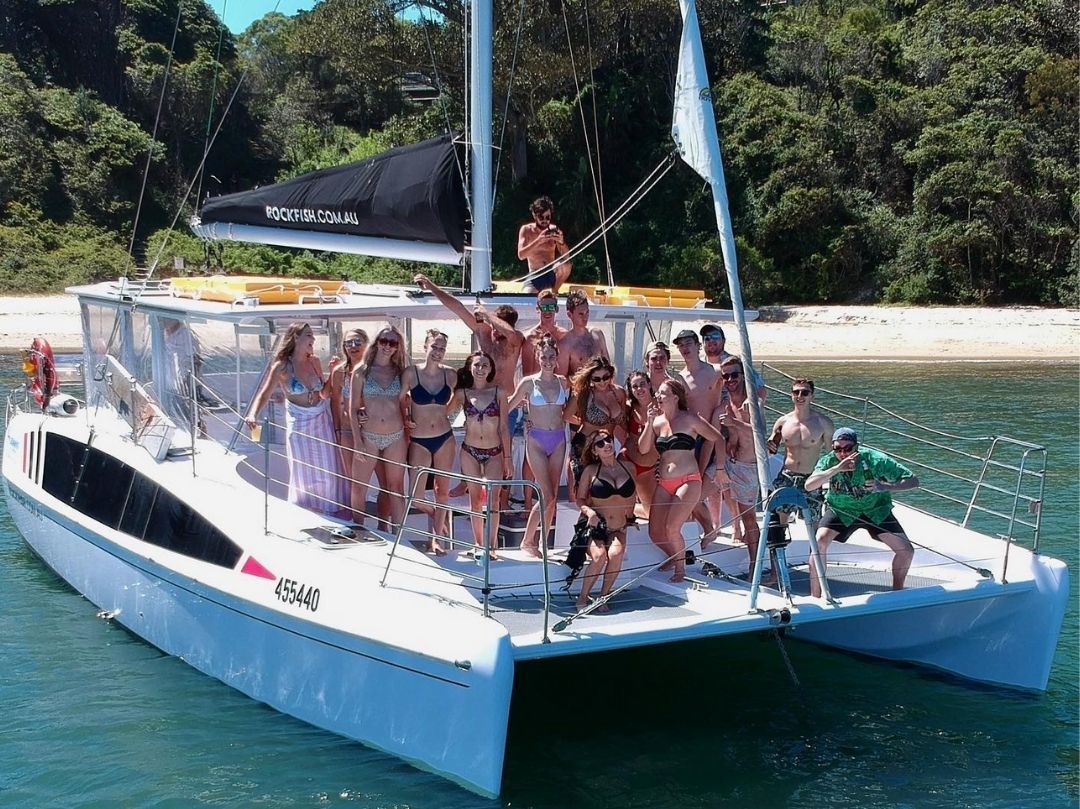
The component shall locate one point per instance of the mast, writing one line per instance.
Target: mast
(480, 143)
(694, 131)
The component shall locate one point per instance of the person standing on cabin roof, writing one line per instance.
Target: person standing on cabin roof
(540, 244)
(860, 482)
(804, 432)
(580, 344)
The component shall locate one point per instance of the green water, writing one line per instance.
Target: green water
(94, 717)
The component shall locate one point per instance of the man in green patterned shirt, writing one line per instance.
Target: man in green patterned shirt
(860, 482)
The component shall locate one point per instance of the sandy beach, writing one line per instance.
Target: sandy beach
(781, 332)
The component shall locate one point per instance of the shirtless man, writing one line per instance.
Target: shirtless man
(580, 343)
(495, 333)
(547, 306)
(741, 462)
(804, 432)
(714, 340)
(540, 242)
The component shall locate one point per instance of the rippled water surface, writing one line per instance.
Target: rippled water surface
(94, 717)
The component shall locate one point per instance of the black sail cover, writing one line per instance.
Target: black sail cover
(413, 193)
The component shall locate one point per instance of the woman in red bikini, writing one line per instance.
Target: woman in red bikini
(640, 396)
(673, 431)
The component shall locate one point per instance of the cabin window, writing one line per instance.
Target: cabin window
(63, 459)
(140, 499)
(103, 488)
(178, 527)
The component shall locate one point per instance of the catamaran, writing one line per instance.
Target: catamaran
(147, 493)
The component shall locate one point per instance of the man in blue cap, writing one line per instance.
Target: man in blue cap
(860, 482)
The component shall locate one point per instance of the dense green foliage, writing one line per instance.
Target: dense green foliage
(886, 150)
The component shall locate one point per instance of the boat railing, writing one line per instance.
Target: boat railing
(993, 484)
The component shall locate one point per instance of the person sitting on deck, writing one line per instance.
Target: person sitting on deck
(540, 243)
(860, 482)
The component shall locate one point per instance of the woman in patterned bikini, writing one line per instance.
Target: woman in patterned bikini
(485, 451)
(545, 394)
(315, 473)
(673, 431)
(375, 408)
(429, 388)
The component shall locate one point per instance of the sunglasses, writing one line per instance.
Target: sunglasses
(732, 375)
(800, 392)
(844, 448)
(548, 307)
(387, 342)
(601, 378)
(355, 342)
(601, 442)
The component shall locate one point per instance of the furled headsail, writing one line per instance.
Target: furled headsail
(407, 203)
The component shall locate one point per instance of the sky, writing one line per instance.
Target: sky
(239, 14)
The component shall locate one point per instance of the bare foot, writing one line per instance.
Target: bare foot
(531, 550)
(603, 608)
(436, 548)
(670, 563)
(708, 538)
(677, 578)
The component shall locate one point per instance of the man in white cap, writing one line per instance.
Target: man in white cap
(860, 482)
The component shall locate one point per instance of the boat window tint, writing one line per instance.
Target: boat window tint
(103, 488)
(176, 526)
(139, 502)
(63, 459)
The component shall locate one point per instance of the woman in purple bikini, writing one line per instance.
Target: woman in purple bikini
(545, 394)
(485, 451)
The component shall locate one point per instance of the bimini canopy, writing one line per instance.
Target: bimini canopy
(407, 203)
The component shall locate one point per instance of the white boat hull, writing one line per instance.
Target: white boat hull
(441, 717)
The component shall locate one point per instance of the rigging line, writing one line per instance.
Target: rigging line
(506, 107)
(584, 123)
(213, 93)
(596, 139)
(153, 136)
(633, 199)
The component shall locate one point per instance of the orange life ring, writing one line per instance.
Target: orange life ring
(41, 368)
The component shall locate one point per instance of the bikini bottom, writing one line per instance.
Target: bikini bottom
(434, 443)
(482, 454)
(383, 440)
(549, 440)
(671, 485)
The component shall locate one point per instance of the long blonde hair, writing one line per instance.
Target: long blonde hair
(398, 360)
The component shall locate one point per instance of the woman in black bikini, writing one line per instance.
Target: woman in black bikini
(606, 496)
(597, 403)
(428, 391)
(485, 451)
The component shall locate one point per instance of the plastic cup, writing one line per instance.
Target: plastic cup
(256, 433)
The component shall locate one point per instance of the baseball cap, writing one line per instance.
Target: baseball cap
(846, 433)
(712, 328)
(686, 334)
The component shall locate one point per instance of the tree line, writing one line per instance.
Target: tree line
(908, 151)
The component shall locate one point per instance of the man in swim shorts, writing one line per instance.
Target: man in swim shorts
(540, 243)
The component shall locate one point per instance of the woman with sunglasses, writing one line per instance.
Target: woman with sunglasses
(606, 496)
(353, 345)
(637, 413)
(485, 450)
(375, 408)
(673, 431)
(316, 478)
(545, 394)
(596, 403)
(429, 388)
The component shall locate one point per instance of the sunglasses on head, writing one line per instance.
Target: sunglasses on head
(800, 392)
(354, 342)
(732, 375)
(601, 378)
(844, 447)
(712, 336)
(389, 342)
(548, 307)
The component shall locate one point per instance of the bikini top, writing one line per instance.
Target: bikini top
(594, 414)
(537, 396)
(676, 441)
(422, 396)
(373, 388)
(602, 489)
(491, 410)
(298, 388)
(633, 426)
